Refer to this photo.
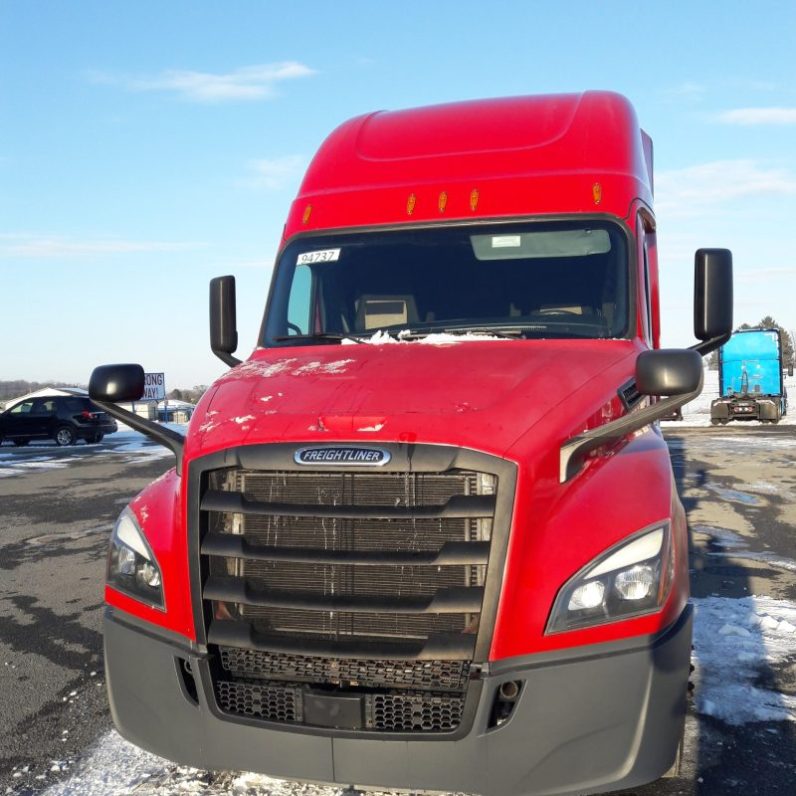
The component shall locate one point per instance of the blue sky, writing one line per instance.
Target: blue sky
(147, 147)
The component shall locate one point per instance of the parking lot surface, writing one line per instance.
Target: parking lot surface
(57, 506)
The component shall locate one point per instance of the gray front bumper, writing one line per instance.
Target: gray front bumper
(602, 718)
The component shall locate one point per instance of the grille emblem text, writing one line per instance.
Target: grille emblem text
(367, 457)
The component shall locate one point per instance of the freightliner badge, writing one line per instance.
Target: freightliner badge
(360, 457)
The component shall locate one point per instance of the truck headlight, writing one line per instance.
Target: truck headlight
(132, 568)
(630, 579)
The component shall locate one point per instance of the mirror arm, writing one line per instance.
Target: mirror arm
(574, 450)
(706, 346)
(170, 439)
(227, 359)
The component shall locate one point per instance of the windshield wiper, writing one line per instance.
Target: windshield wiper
(323, 337)
(510, 332)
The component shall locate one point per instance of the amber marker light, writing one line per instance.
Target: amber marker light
(442, 202)
(597, 193)
(410, 204)
(474, 195)
(307, 213)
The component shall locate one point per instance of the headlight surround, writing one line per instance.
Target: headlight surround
(132, 567)
(631, 579)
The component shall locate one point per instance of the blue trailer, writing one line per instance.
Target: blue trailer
(751, 379)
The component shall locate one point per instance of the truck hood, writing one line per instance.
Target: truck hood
(482, 393)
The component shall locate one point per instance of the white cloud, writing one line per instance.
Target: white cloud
(686, 192)
(757, 116)
(247, 83)
(765, 274)
(52, 246)
(275, 173)
(689, 90)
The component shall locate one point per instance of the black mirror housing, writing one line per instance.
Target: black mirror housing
(223, 321)
(669, 371)
(114, 383)
(712, 294)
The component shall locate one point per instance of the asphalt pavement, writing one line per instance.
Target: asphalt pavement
(57, 506)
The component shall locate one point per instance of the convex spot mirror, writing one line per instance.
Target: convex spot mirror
(669, 371)
(114, 383)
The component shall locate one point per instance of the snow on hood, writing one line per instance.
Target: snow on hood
(460, 391)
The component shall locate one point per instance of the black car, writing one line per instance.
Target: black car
(63, 418)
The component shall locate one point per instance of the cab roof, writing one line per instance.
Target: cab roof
(518, 156)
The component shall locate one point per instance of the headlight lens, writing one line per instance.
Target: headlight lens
(132, 568)
(630, 579)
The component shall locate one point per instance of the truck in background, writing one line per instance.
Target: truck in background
(427, 536)
(751, 378)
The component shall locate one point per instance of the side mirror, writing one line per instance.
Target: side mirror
(113, 383)
(223, 323)
(674, 371)
(712, 298)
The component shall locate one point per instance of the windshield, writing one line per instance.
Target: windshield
(551, 280)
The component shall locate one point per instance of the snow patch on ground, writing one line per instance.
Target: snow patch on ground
(115, 767)
(736, 641)
(125, 441)
(37, 464)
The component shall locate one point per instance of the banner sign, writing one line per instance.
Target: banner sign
(154, 387)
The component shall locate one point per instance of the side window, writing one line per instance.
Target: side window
(42, 407)
(298, 311)
(22, 409)
(645, 292)
(647, 295)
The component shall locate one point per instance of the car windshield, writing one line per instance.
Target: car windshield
(540, 280)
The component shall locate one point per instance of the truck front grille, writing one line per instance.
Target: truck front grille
(364, 584)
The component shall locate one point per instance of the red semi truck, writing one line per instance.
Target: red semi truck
(427, 535)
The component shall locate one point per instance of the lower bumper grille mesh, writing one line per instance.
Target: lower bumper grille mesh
(270, 702)
(392, 712)
(415, 712)
(431, 675)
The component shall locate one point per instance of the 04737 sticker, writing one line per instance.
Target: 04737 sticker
(323, 256)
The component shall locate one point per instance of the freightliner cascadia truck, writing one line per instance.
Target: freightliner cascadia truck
(751, 378)
(427, 535)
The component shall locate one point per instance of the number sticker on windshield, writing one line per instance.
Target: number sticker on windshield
(506, 241)
(323, 256)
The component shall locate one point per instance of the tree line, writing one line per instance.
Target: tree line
(13, 388)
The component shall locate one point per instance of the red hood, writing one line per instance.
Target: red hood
(479, 394)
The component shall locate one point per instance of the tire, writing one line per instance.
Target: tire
(64, 436)
(21, 442)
